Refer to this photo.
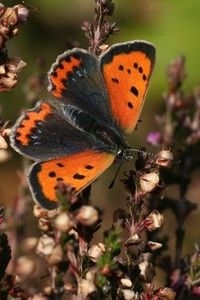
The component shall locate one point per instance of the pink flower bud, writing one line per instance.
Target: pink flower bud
(4, 155)
(39, 297)
(147, 271)
(87, 215)
(96, 251)
(154, 245)
(56, 255)
(24, 267)
(154, 221)
(3, 143)
(167, 293)
(126, 282)
(39, 211)
(15, 64)
(45, 245)
(129, 294)
(44, 224)
(6, 132)
(22, 12)
(63, 222)
(149, 181)
(86, 287)
(2, 70)
(29, 243)
(164, 158)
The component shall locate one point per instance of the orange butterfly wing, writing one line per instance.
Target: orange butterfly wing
(126, 69)
(76, 170)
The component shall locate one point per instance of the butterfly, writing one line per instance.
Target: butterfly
(77, 135)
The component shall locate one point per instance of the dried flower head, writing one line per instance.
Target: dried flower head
(9, 73)
(10, 19)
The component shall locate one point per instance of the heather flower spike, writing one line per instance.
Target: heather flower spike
(98, 31)
(10, 20)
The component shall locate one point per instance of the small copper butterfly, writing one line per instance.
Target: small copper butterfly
(76, 136)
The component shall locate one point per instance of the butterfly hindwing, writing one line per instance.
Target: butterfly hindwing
(126, 69)
(76, 170)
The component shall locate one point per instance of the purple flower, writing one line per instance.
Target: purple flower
(154, 138)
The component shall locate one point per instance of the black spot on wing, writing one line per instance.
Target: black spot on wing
(17, 134)
(76, 55)
(134, 91)
(121, 68)
(89, 167)
(52, 174)
(130, 105)
(115, 80)
(27, 117)
(54, 73)
(68, 59)
(60, 165)
(140, 70)
(59, 179)
(60, 65)
(144, 77)
(78, 176)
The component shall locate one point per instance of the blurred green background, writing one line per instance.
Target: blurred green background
(171, 25)
(53, 26)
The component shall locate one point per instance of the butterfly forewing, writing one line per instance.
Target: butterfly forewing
(126, 70)
(75, 78)
(46, 132)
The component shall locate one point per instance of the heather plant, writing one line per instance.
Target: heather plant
(62, 252)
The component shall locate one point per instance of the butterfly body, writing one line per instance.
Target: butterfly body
(76, 136)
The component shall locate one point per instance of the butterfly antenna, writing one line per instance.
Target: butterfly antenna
(116, 174)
